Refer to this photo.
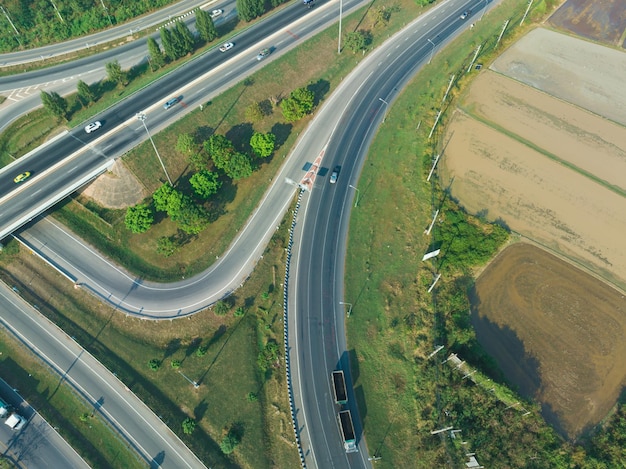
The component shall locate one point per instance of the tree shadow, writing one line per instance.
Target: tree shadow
(137, 70)
(171, 348)
(203, 133)
(200, 410)
(282, 132)
(320, 89)
(240, 135)
(266, 107)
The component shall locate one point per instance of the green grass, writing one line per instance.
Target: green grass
(395, 323)
(93, 439)
(227, 373)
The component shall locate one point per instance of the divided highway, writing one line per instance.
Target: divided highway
(344, 127)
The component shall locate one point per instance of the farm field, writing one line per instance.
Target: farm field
(556, 332)
(538, 142)
(600, 21)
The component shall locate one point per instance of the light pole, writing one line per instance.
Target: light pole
(193, 383)
(142, 117)
(340, 13)
(357, 195)
(349, 307)
(386, 104)
(484, 10)
(432, 51)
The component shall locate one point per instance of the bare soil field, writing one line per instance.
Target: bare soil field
(556, 332)
(603, 21)
(539, 142)
(582, 73)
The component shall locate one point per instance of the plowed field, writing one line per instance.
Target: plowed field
(556, 332)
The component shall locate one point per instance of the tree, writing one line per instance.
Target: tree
(263, 144)
(84, 92)
(178, 43)
(254, 112)
(165, 246)
(220, 150)
(205, 183)
(205, 25)
(185, 143)
(176, 364)
(157, 58)
(299, 103)
(54, 103)
(139, 218)
(232, 439)
(239, 166)
(201, 351)
(115, 73)
(199, 160)
(247, 10)
(222, 307)
(169, 200)
(189, 425)
(154, 364)
(168, 44)
(358, 40)
(187, 40)
(191, 218)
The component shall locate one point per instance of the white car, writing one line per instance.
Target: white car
(227, 46)
(15, 421)
(215, 13)
(93, 127)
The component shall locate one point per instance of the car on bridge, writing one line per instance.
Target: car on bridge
(21, 177)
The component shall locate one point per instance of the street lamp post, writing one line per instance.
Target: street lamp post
(193, 383)
(357, 195)
(386, 105)
(432, 51)
(349, 307)
(142, 117)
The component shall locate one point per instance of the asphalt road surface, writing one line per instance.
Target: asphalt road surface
(389, 67)
(146, 21)
(37, 445)
(140, 427)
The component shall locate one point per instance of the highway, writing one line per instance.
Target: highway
(55, 172)
(37, 445)
(9, 59)
(319, 340)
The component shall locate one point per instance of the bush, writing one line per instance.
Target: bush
(176, 364)
(189, 425)
(154, 364)
(222, 307)
(201, 351)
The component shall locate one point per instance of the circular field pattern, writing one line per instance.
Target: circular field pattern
(556, 332)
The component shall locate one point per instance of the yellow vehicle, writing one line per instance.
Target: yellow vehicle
(21, 177)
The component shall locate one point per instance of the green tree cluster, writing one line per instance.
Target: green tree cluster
(221, 150)
(177, 41)
(139, 218)
(54, 103)
(115, 74)
(188, 216)
(230, 441)
(263, 144)
(189, 425)
(205, 26)
(357, 41)
(268, 356)
(205, 183)
(299, 104)
(247, 10)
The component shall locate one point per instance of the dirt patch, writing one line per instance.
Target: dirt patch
(582, 73)
(117, 188)
(601, 21)
(556, 333)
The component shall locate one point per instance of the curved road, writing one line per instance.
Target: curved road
(319, 334)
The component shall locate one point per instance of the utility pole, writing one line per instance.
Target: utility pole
(58, 12)
(107, 10)
(340, 14)
(474, 59)
(142, 117)
(506, 23)
(526, 13)
(349, 307)
(448, 90)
